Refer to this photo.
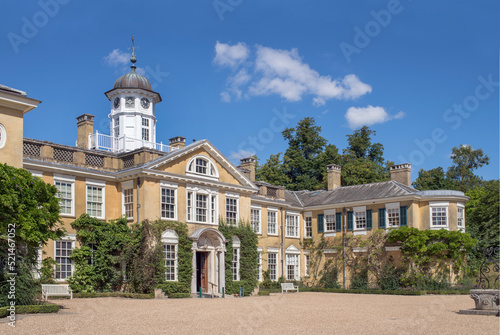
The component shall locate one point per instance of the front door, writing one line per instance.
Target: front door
(202, 270)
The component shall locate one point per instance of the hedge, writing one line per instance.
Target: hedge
(264, 292)
(113, 294)
(179, 295)
(29, 309)
(333, 290)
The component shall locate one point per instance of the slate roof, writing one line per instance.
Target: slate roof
(386, 189)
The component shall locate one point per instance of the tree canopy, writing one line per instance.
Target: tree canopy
(29, 205)
(459, 176)
(303, 165)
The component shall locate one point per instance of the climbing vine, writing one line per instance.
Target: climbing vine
(114, 256)
(248, 257)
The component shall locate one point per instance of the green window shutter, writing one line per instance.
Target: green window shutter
(321, 225)
(338, 221)
(402, 217)
(368, 219)
(381, 218)
(349, 221)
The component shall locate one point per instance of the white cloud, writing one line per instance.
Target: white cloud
(225, 96)
(283, 73)
(367, 116)
(234, 85)
(230, 55)
(117, 58)
(241, 154)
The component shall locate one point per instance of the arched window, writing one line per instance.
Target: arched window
(170, 241)
(202, 165)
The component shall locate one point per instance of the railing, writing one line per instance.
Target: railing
(122, 144)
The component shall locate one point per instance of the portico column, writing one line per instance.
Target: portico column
(193, 277)
(222, 271)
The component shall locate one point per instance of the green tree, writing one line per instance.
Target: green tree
(29, 208)
(305, 159)
(465, 161)
(362, 160)
(272, 171)
(482, 214)
(434, 179)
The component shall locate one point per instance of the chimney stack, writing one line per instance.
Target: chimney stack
(334, 172)
(249, 165)
(85, 124)
(177, 142)
(401, 173)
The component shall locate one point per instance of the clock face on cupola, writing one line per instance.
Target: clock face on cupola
(116, 103)
(145, 103)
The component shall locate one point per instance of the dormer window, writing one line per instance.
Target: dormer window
(202, 165)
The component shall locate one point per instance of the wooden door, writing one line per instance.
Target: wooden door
(202, 270)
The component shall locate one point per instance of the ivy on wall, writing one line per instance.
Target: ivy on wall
(115, 256)
(249, 256)
(427, 256)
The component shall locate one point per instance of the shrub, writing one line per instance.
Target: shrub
(179, 295)
(359, 280)
(329, 278)
(390, 278)
(112, 294)
(29, 309)
(264, 292)
(28, 290)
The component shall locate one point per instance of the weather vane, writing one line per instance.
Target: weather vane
(133, 59)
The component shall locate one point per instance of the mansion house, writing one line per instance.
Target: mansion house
(129, 173)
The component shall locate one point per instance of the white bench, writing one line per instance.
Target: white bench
(289, 287)
(56, 290)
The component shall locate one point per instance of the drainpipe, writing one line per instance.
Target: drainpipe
(343, 242)
(282, 244)
(138, 204)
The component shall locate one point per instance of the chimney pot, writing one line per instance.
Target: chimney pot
(85, 124)
(401, 173)
(334, 173)
(177, 142)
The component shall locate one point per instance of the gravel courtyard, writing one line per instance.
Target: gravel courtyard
(293, 313)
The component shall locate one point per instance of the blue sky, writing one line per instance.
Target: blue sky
(423, 75)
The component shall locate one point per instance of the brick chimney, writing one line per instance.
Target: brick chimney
(401, 173)
(85, 124)
(177, 142)
(248, 164)
(334, 172)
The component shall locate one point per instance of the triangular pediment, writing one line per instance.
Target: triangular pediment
(219, 168)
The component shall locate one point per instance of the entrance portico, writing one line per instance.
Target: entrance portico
(209, 247)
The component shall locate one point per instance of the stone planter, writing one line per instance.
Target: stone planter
(486, 299)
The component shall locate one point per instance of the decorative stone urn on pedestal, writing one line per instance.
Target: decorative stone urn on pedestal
(487, 300)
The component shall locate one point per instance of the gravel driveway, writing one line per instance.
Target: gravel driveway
(292, 313)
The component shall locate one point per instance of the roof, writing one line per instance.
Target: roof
(386, 189)
(12, 90)
(133, 80)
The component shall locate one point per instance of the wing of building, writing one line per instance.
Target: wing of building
(129, 173)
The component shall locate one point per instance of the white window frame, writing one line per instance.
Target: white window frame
(170, 237)
(296, 259)
(3, 136)
(356, 210)
(127, 186)
(96, 183)
(67, 180)
(256, 224)
(235, 262)
(460, 208)
(212, 171)
(146, 129)
(259, 264)
(236, 197)
(171, 187)
(441, 204)
(191, 210)
(307, 264)
(276, 273)
(295, 227)
(329, 218)
(68, 238)
(396, 207)
(307, 219)
(274, 212)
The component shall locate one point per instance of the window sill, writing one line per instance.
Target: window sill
(439, 227)
(268, 234)
(359, 232)
(72, 216)
(297, 237)
(330, 234)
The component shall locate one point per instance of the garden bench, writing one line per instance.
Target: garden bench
(289, 287)
(56, 290)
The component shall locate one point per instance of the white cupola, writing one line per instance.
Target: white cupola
(132, 117)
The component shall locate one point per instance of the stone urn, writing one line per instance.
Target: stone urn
(486, 299)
